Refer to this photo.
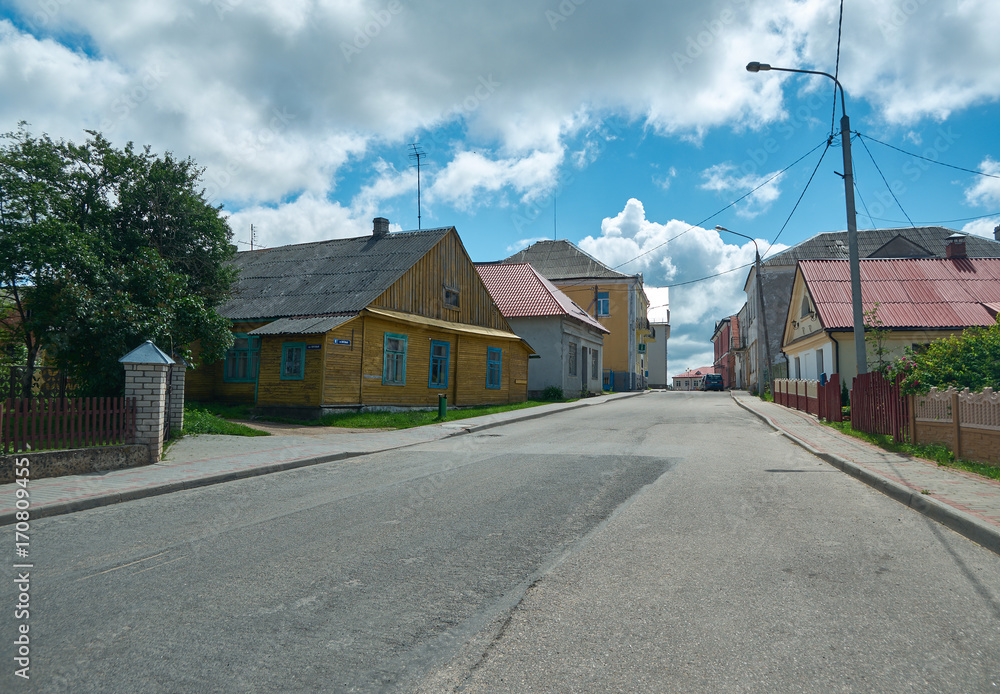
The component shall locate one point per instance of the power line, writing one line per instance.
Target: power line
(933, 161)
(888, 187)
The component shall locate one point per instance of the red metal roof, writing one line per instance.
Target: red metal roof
(520, 292)
(697, 373)
(911, 293)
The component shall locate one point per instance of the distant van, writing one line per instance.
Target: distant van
(712, 382)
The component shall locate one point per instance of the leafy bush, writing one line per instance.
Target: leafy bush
(552, 393)
(969, 360)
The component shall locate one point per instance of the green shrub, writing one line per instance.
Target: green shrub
(969, 360)
(552, 393)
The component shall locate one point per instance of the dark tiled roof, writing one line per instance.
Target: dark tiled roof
(560, 260)
(325, 277)
(832, 245)
(918, 293)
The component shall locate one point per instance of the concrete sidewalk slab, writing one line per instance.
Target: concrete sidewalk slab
(197, 461)
(966, 503)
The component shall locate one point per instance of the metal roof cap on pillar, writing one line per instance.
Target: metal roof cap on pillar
(146, 353)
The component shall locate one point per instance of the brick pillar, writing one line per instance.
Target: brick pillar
(176, 414)
(146, 381)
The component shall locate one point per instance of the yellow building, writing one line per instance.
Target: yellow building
(387, 320)
(615, 299)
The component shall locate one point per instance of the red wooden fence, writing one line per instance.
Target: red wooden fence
(795, 394)
(878, 407)
(54, 423)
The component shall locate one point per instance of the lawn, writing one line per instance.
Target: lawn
(938, 454)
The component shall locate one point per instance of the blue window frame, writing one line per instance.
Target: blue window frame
(440, 352)
(603, 304)
(394, 360)
(494, 357)
(293, 361)
(241, 359)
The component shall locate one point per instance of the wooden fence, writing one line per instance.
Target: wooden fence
(878, 406)
(51, 423)
(809, 396)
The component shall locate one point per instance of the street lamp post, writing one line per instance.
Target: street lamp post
(852, 217)
(763, 316)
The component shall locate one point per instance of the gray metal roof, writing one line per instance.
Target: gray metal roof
(302, 326)
(146, 353)
(919, 242)
(560, 260)
(325, 277)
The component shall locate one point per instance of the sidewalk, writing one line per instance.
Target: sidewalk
(966, 503)
(197, 461)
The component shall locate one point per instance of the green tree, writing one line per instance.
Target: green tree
(112, 247)
(968, 360)
(876, 337)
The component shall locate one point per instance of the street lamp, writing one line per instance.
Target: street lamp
(852, 216)
(763, 316)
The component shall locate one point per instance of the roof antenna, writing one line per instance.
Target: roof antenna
(416, 154)
(253, 236)
(555, 209)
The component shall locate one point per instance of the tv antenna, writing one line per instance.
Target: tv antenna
(416, 154)
(253, 236)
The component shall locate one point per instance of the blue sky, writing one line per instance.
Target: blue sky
(630, 128)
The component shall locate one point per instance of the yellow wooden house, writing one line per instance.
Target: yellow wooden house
(381, 321)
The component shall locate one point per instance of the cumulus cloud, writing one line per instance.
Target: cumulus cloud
(706, 273)
(728, 180)
(986, 190)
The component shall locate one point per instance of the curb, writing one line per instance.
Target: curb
(963, 523)
(63, 507)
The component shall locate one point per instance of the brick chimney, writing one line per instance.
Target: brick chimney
(381, 227)
(956, 246)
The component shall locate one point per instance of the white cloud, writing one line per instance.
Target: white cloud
(982, 227)
(728, 180)
(470, 174)
(674, 253)
(986, 191)
(308, 218)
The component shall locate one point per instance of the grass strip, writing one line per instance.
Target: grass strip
(935, 453)
(198, 420)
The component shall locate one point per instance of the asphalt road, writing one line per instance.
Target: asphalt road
(669, 542)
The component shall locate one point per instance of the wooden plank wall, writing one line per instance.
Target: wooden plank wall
(421, 290)
(204, 382)
(305, 392)
(343, 364)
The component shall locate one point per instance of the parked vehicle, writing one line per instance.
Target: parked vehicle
(712, 382)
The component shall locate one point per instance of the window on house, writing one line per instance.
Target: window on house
(241, 359)
(798, 368)
(394, 360)
(451, 298)
(593, 362)
(293, 361)
(819, 363)
(572, 359)
(805, 307)
(493, 365)
(603, 304)
(439, 364)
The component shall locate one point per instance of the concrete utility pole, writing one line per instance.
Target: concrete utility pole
(852, 217)
(761, 379)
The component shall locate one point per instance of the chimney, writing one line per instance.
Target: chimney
(996, 232)
(381, 227)
(956, 246)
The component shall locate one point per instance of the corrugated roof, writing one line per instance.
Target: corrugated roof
(449, 325)
(325, 277)
(302, 326)
(520, 291)
(697, 373)
(876, 242)
(560, 260)
(911, 293)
